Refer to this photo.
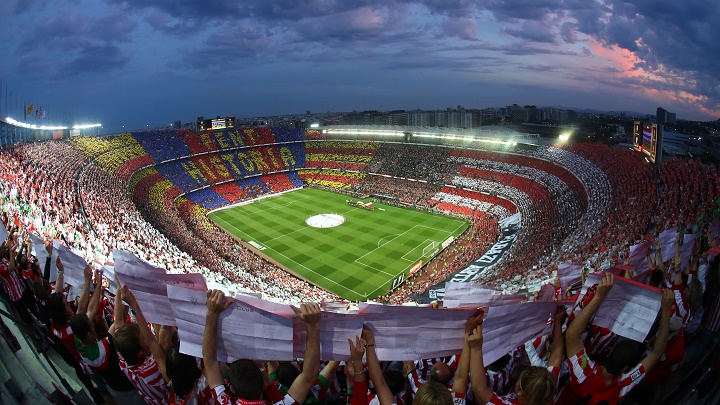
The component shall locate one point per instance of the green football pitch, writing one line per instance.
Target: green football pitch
(351, 251)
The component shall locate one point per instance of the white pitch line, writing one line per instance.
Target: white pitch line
(235, 227)
(375, 268)
(301, 265)
(313, 271)
(356, 260)
(397, 236)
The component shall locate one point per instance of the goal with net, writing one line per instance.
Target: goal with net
(431, 249)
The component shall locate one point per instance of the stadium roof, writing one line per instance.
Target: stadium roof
(494, 132)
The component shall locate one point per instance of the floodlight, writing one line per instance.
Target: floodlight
(86, 126)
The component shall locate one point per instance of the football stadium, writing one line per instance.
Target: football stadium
(211, 235)
(351, 248)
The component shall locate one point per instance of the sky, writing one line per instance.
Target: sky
(129, 64)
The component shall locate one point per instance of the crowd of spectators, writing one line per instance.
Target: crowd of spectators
(57, 191)
(541, 215)
(472, 204)
(562, 196)
(483, 233)
(119, 224)
(403, 191)
(412, 161)
(550, 227)
(122, 360)
(349, 155)
(546, 195)
(331, 178)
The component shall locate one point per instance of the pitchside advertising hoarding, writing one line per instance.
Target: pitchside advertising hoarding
(510, 227)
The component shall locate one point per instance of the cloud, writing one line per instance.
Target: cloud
(533, 31)
(675, 44)
(227, 46)
(514, 10)
(450, 8)
(198, 13)
(358, 25)
(94, 59)
(18, 7)
(670, 47)
(568, 32)
(62, 32)
(113, 27)
(462, 27)
(68, 44)
(543, 68)
(166, 23)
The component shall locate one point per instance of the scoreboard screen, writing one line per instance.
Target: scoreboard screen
(218, 124)
(212, 124)
(647, 138)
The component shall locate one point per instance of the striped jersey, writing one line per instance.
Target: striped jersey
(587, 383)
(11, 281)
(148, 380)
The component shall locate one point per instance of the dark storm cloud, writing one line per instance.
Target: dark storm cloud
(115, 27)
(568, 32)
(227, 47)
(194, 10)
(16, 7)
(361, 24)
(94, 59)
(62, 32)
(186, 16)
(452, 8)
(513, 10)
(68, 32)
(534, 31)
(66, 44)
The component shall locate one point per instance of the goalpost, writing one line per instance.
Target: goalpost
(431, 249)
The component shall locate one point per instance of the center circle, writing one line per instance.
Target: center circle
(325, 220)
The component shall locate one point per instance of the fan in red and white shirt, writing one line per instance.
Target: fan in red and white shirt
(61, 312)
(500, 372)
(655, 384)
(247, 381)
(9, 277)
(141, 356)
(382, 393)
(440, 370)
(187, 379)
(608, 384)
(535, 385)
(93, 340)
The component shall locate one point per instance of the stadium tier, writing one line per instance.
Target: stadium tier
(273, 216)
(562, 198)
